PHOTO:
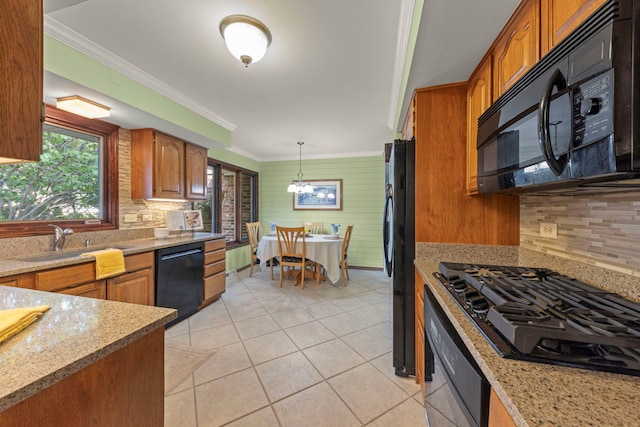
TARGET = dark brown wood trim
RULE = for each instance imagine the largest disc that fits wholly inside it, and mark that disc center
(109, 132)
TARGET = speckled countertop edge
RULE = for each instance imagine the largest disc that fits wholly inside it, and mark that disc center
(73, 334)
(9, 267)
(536, 394)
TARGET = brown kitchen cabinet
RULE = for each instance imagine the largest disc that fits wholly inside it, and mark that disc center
(517, 47)
(165, 167)
(419, 332)
(25, 280)
(124, 388)
(560, 17)
(195, 172)
(89, 290)
(21, 68)
(479, 98)
(444, 212)
(498, 415)
(137, 284)
(214, 277)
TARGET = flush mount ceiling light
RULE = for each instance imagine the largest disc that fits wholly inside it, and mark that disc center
(83, 107)
(246, 38)
(300, 186)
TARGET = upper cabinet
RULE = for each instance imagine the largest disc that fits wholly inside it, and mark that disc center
(517, 48)
(478, 100)
(534, 28)
(195, 169)
(560, 17)
(165, 167)
(21, 68)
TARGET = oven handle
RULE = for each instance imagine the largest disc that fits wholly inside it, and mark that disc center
(555, 164)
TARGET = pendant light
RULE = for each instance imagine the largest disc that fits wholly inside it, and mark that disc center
(300, 186)
(246, 38)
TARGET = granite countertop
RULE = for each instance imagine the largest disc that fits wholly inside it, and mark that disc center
(73, 334)
(13, 266)
(537, 394)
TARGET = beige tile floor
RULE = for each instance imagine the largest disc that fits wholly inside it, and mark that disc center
(290, 357)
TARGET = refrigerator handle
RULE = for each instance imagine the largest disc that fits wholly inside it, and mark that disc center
(386, 231)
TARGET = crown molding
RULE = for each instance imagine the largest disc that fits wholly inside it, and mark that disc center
(404, 32)
(83, 45)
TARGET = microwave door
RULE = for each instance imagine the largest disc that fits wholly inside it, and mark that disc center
(554, 123)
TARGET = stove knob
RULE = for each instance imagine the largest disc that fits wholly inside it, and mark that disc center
(590, 106)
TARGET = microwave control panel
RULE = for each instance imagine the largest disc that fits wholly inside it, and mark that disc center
(592, 112)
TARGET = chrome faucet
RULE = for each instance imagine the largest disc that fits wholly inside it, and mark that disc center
(59, 236)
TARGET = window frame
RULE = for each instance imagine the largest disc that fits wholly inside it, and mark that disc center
(239, 171)
(110, 135)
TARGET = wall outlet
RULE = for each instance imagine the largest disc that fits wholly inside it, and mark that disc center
(549, 230)
(147, 217)
(130, 217)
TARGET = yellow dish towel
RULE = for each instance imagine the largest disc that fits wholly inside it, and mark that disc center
(109, 262)
(15, 320)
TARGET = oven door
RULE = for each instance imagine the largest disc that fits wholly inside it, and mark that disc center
(460, 370)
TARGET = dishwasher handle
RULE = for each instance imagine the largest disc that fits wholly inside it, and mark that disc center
(180, 254)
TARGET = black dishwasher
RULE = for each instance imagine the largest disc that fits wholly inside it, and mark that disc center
(179, 271)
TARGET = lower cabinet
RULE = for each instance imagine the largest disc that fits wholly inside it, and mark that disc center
(135, 286)
(214, 277)
(419, 332)
(124, 388)
(90, 290)
(498, 415)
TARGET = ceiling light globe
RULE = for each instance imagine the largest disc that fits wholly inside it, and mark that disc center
(246, 38)
(292, 188)
(307, 189)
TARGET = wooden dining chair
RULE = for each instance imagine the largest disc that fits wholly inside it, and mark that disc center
(314, 227)
(254, 231)
(344, 267)
(290, 255)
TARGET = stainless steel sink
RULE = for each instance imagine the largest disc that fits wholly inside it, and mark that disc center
(53, 256)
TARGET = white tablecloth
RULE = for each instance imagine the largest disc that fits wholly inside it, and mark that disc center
(321, 249)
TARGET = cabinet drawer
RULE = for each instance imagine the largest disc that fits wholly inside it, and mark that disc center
(215, 256)
(89, 290)
(214, 245)
(65, 277)
(214, 285)
(216, 267)
(139, 261)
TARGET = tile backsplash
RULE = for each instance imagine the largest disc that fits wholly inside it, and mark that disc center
(597, 229)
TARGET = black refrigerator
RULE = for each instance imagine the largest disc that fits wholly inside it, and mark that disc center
(399, 249)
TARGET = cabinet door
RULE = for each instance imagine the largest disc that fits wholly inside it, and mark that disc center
(90, 290)
(136, 287)
(196, 172)
(560, 17)
(169, 167)
(21, 68)
(478, 100)
(518, 48)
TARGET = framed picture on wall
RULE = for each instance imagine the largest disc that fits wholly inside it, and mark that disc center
(326, 195)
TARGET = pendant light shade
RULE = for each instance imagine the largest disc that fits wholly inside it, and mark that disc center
(246, 38)
(300, 186)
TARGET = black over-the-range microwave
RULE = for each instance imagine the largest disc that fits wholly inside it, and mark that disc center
(572, 122)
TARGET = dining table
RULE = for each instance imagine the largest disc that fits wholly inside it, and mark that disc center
(323, 249)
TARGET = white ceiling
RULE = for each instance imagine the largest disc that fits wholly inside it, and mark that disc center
(330, 78)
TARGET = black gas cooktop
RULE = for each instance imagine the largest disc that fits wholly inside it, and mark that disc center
(539, 315)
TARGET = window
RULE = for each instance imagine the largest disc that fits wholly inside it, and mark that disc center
(73, 185)
(232, 201)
